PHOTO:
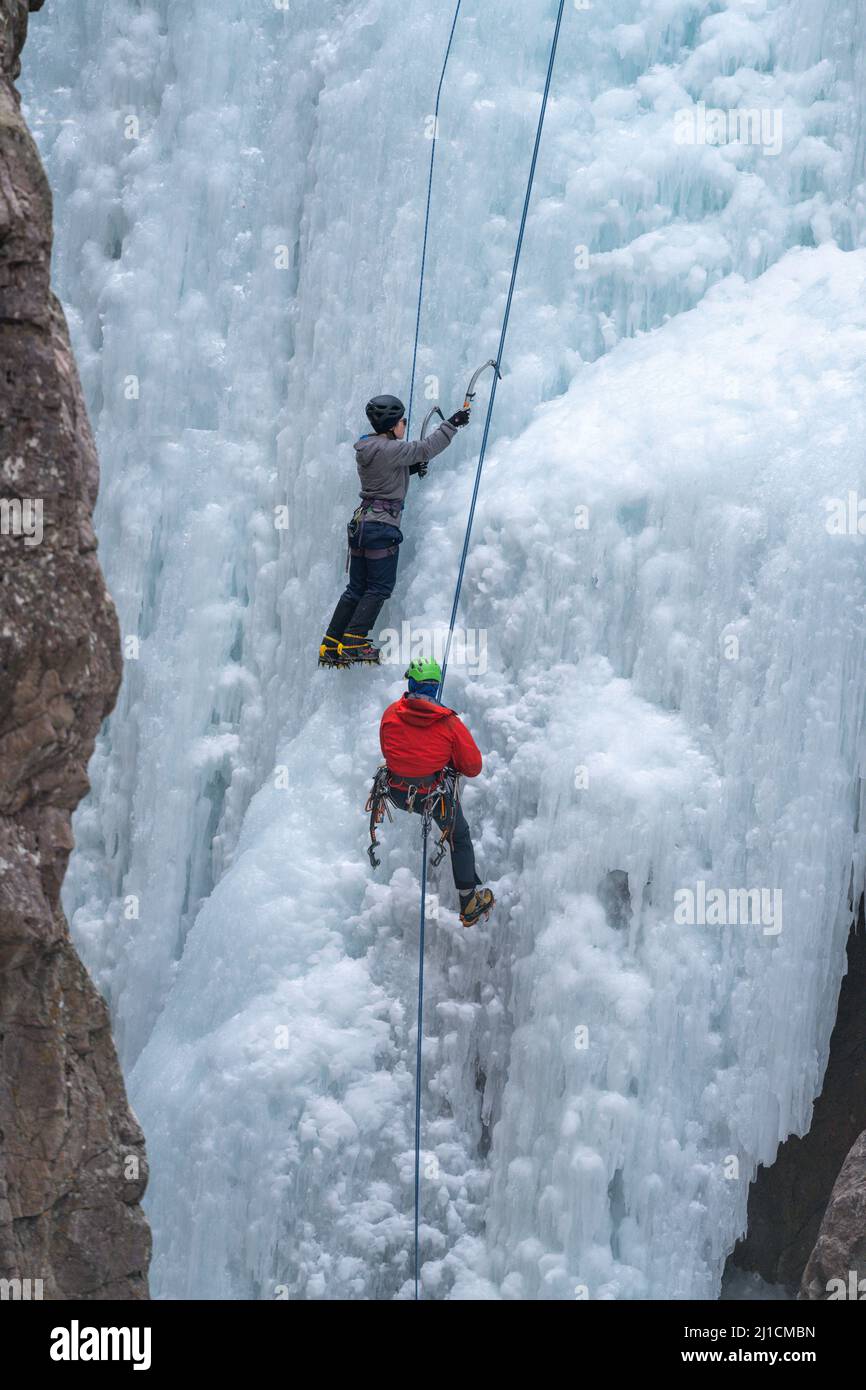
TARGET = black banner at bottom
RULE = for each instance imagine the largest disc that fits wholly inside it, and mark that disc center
(163, 1338)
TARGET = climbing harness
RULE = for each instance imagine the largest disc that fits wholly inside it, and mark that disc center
(497, 364)
(381, 509)
(442, 787)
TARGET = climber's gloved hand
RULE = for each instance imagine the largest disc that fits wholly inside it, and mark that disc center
(459, 419)
(419, 468)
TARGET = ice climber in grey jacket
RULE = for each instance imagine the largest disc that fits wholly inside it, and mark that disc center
(385, 461)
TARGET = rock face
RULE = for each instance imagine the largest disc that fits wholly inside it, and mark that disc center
(788, 1201)
(72, 1163)
(837, 1265)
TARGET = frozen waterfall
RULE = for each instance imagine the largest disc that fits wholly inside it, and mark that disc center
(664, 619)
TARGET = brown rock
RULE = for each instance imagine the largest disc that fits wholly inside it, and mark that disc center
(72, 1162)
(787, 1200)
(837, 1265)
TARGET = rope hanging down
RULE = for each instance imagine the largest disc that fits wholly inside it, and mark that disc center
(484, 440)
(424, 835)
(427, 215)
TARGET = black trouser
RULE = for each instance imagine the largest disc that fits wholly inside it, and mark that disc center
(462, 853)
(371, 582)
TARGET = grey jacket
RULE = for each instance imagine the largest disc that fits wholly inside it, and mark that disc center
(383, 463)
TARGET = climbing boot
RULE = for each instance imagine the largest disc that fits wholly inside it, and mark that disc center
(357, 651)
(476, 906)
(329, 653)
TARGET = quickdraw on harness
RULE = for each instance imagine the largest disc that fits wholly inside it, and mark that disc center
(444, 788)
(378, 804)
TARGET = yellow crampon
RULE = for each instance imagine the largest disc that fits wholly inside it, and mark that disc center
(479, 905)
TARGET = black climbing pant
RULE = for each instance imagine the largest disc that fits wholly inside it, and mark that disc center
(372, 577)
(462, 853)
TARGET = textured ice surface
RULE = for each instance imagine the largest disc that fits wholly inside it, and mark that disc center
(600, 1080)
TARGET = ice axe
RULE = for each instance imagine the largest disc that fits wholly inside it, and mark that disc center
(470, 389)
(428, 417)
(470, 395)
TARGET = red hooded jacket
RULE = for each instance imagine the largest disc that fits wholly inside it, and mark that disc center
(419, 737)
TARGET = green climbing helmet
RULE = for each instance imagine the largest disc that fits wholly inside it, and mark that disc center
(421, 670)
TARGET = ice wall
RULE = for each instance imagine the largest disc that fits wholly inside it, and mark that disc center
(240, 275)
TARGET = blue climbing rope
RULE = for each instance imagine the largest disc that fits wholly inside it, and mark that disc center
(418, 1049)
(454, 606)
(491, 403)
(427, 217)
(424, 837)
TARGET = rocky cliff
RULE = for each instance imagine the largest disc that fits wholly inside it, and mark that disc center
(792, 1202)
(72, 1163)
(837, 1265)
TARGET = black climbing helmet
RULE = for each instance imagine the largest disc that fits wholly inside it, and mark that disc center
(384, 412)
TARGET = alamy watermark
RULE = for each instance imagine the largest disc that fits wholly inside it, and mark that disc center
(22, 516)
(729, 907)
(21, 1290)
(846, 516)
(468, 646)
(77, 1343)
(854, 1289)
(712, 125)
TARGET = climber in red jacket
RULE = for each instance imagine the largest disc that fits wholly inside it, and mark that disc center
(426, 748)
